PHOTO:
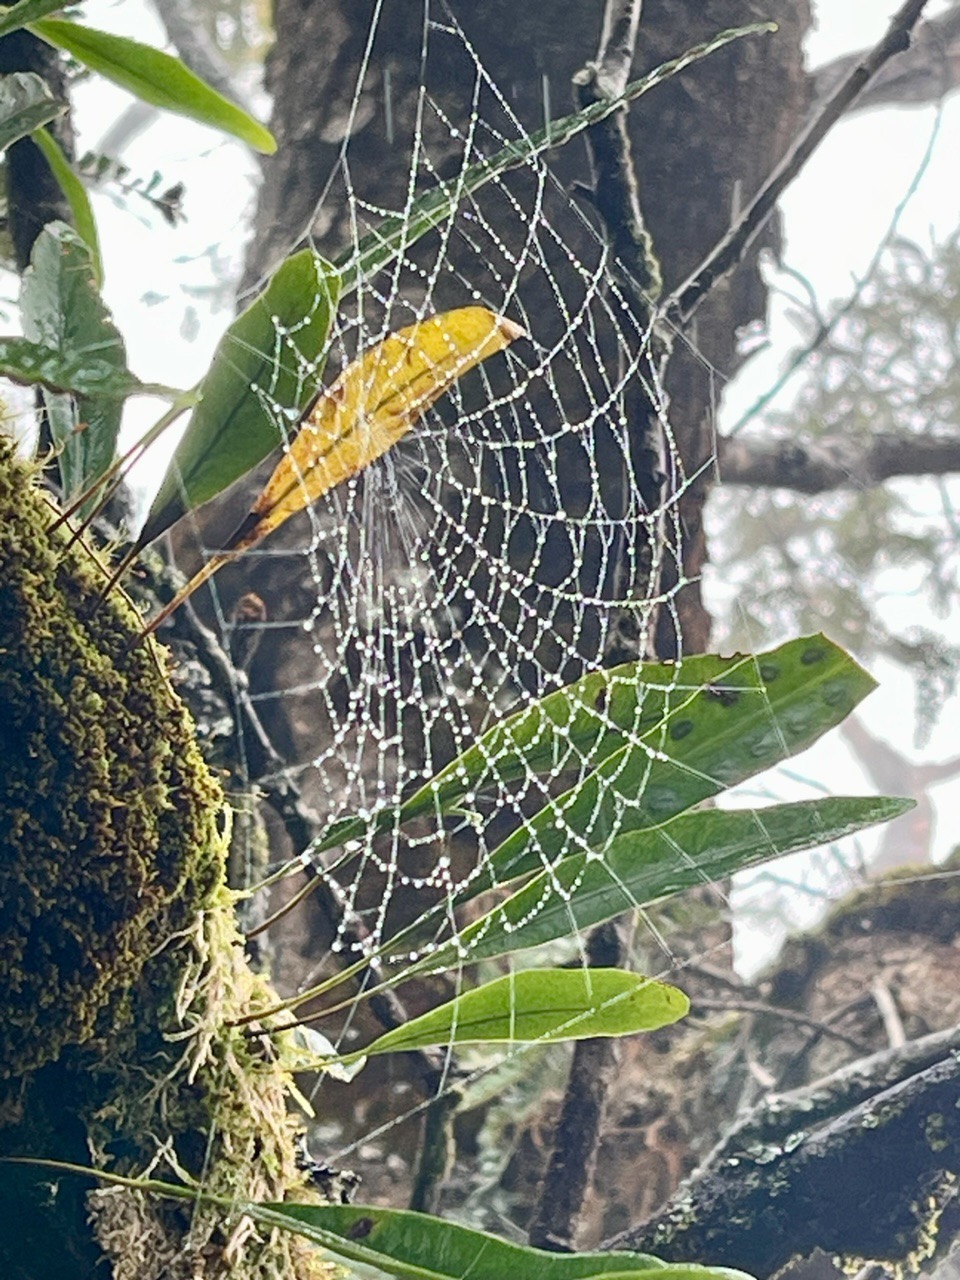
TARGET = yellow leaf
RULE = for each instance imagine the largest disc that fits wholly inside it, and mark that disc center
(373, 403)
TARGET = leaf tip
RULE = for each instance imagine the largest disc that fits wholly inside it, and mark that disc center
(262, 140)
(900, 805)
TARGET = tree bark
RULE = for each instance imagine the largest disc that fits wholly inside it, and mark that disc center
(120, 966)
(861, 1165)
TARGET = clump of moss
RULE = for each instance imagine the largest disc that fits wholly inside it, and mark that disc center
(122, 973)
(218, 1097)
(108, 812)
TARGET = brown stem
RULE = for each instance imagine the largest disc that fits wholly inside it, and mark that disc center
(572, 1160)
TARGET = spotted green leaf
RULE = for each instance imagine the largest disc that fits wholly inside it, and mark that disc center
(648, 741)
(754, 713)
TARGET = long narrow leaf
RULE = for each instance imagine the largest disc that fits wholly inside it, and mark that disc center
(576, 727)
(644, 866)
(397, 233)
(420, 1245)
(26, 103)
(541, 1005)
(14, 17)
(653, 738)
(758, 713)
(154, 77)
(264, 373)
(413, 1246)
(76, 194)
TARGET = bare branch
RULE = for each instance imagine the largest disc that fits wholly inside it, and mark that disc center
(859, 1164)
(925, 73)
(834, 462)
(729, 252)
(706, 1004)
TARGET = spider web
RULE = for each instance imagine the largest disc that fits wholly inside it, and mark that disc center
(498, 552)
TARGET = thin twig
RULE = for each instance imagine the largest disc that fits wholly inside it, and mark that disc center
(889, 1013)
(827, 325)
(774, 1011)
(729, 252)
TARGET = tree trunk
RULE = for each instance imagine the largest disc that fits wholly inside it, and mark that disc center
(120, 965)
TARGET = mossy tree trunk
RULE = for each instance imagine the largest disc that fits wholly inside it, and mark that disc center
(120, 965)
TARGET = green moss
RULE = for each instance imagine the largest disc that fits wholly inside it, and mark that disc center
(121, 967)
(109, 814)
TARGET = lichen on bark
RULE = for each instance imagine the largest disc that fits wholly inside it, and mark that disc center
(121, 968)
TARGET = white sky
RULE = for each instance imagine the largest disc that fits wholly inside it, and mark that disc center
(835, 216)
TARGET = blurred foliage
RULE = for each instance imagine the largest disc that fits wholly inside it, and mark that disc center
(242, 30)
(876, 567)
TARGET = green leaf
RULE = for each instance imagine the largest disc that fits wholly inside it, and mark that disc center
(678, 1271)
(403, 1243)
(26, 103)
(397, 233)
(758, 711)
(31, 363)
(653, 738)
(266, 367)
(76, 194)
(154, 77)
(62, 310)
(18, 15)
(576, 727)
(644, 866)
(423, 1247)
(541, 1005)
